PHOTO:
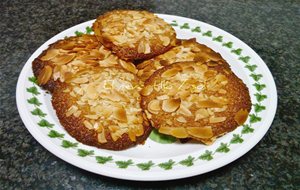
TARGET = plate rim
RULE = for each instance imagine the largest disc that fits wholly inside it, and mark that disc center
(116, 174)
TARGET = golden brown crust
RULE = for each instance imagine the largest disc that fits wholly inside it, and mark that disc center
(134, 35)
(65, 97)
(195, 100)
(66, 57)
(185, 50)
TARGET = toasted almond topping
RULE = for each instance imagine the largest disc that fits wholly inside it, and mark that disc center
(91, 116)
(222, 91)
(216, 119)
(80, 80)
(208, 104)
(241, 116)
(147, 90)
(219, 100)
(71, 110)
(113, 128)
(184, 111)
(165, 130)
(139, 130)
(44, 75)
(131, 135)
(88, 125)
(181, 119)
(200, 132)
(170, 72)
(101, 138)
(201, 114)
(162, 97)
(166, 40)
(149, 116)
(154, 106)
(179, 132)
(51, 53)
(128, 66)
(77, 113)
(210, 73)
(220, 109)
(120, 114)
(171, 105)
(91, 92)
(63, 59)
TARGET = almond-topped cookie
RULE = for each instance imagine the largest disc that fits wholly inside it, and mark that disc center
(66, 57)
(134, 35)
(101, 107)
(185, 50)
(195, 100)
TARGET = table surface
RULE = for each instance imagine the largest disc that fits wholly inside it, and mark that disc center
(271, 28)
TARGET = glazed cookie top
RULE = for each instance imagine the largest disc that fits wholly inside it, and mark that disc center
(63, 59)
(134, 35)
(195, 99)
(186, 50)
(108, 101)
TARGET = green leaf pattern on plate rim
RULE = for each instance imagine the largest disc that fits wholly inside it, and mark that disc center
(189, 161)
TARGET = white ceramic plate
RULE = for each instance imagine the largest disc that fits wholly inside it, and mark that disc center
(157, 159)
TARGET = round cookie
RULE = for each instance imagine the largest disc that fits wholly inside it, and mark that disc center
(101, 107)
(66, 57)
(134, 35)
(185, 50)
(195, 100)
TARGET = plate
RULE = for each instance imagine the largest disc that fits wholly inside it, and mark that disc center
(159, 158)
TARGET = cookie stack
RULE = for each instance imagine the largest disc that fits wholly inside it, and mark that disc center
(111, 88)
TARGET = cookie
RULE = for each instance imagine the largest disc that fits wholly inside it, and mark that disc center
(185, 50)
(101, 107)
(195, 100)
(134, 35)
(64, 58)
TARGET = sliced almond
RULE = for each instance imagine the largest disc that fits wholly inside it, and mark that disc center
(91, 116)
(51, 53)
(80, 80)
(128, 66)
(71, 110)
(184, 111)
(63, 59)
(113, 128)
(216, 119)
(101, 138)
(91, 92)
(163, 97)
(181, 119)
(131, 135)
(222, 91)
(170, 72)
(200, 132)
(166, 40)
(241, 116)
(171, 105)
(165, 130)
(88, 125)
(179, 132)
(210, 73)
(120, 114)
(139, 130)
(44, 75)
(201, 114)
(147, 90)
(154, 106)
(219, 100)
(208, 104)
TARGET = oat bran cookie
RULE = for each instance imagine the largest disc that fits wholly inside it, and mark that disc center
(134, 35)
(195, 100)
